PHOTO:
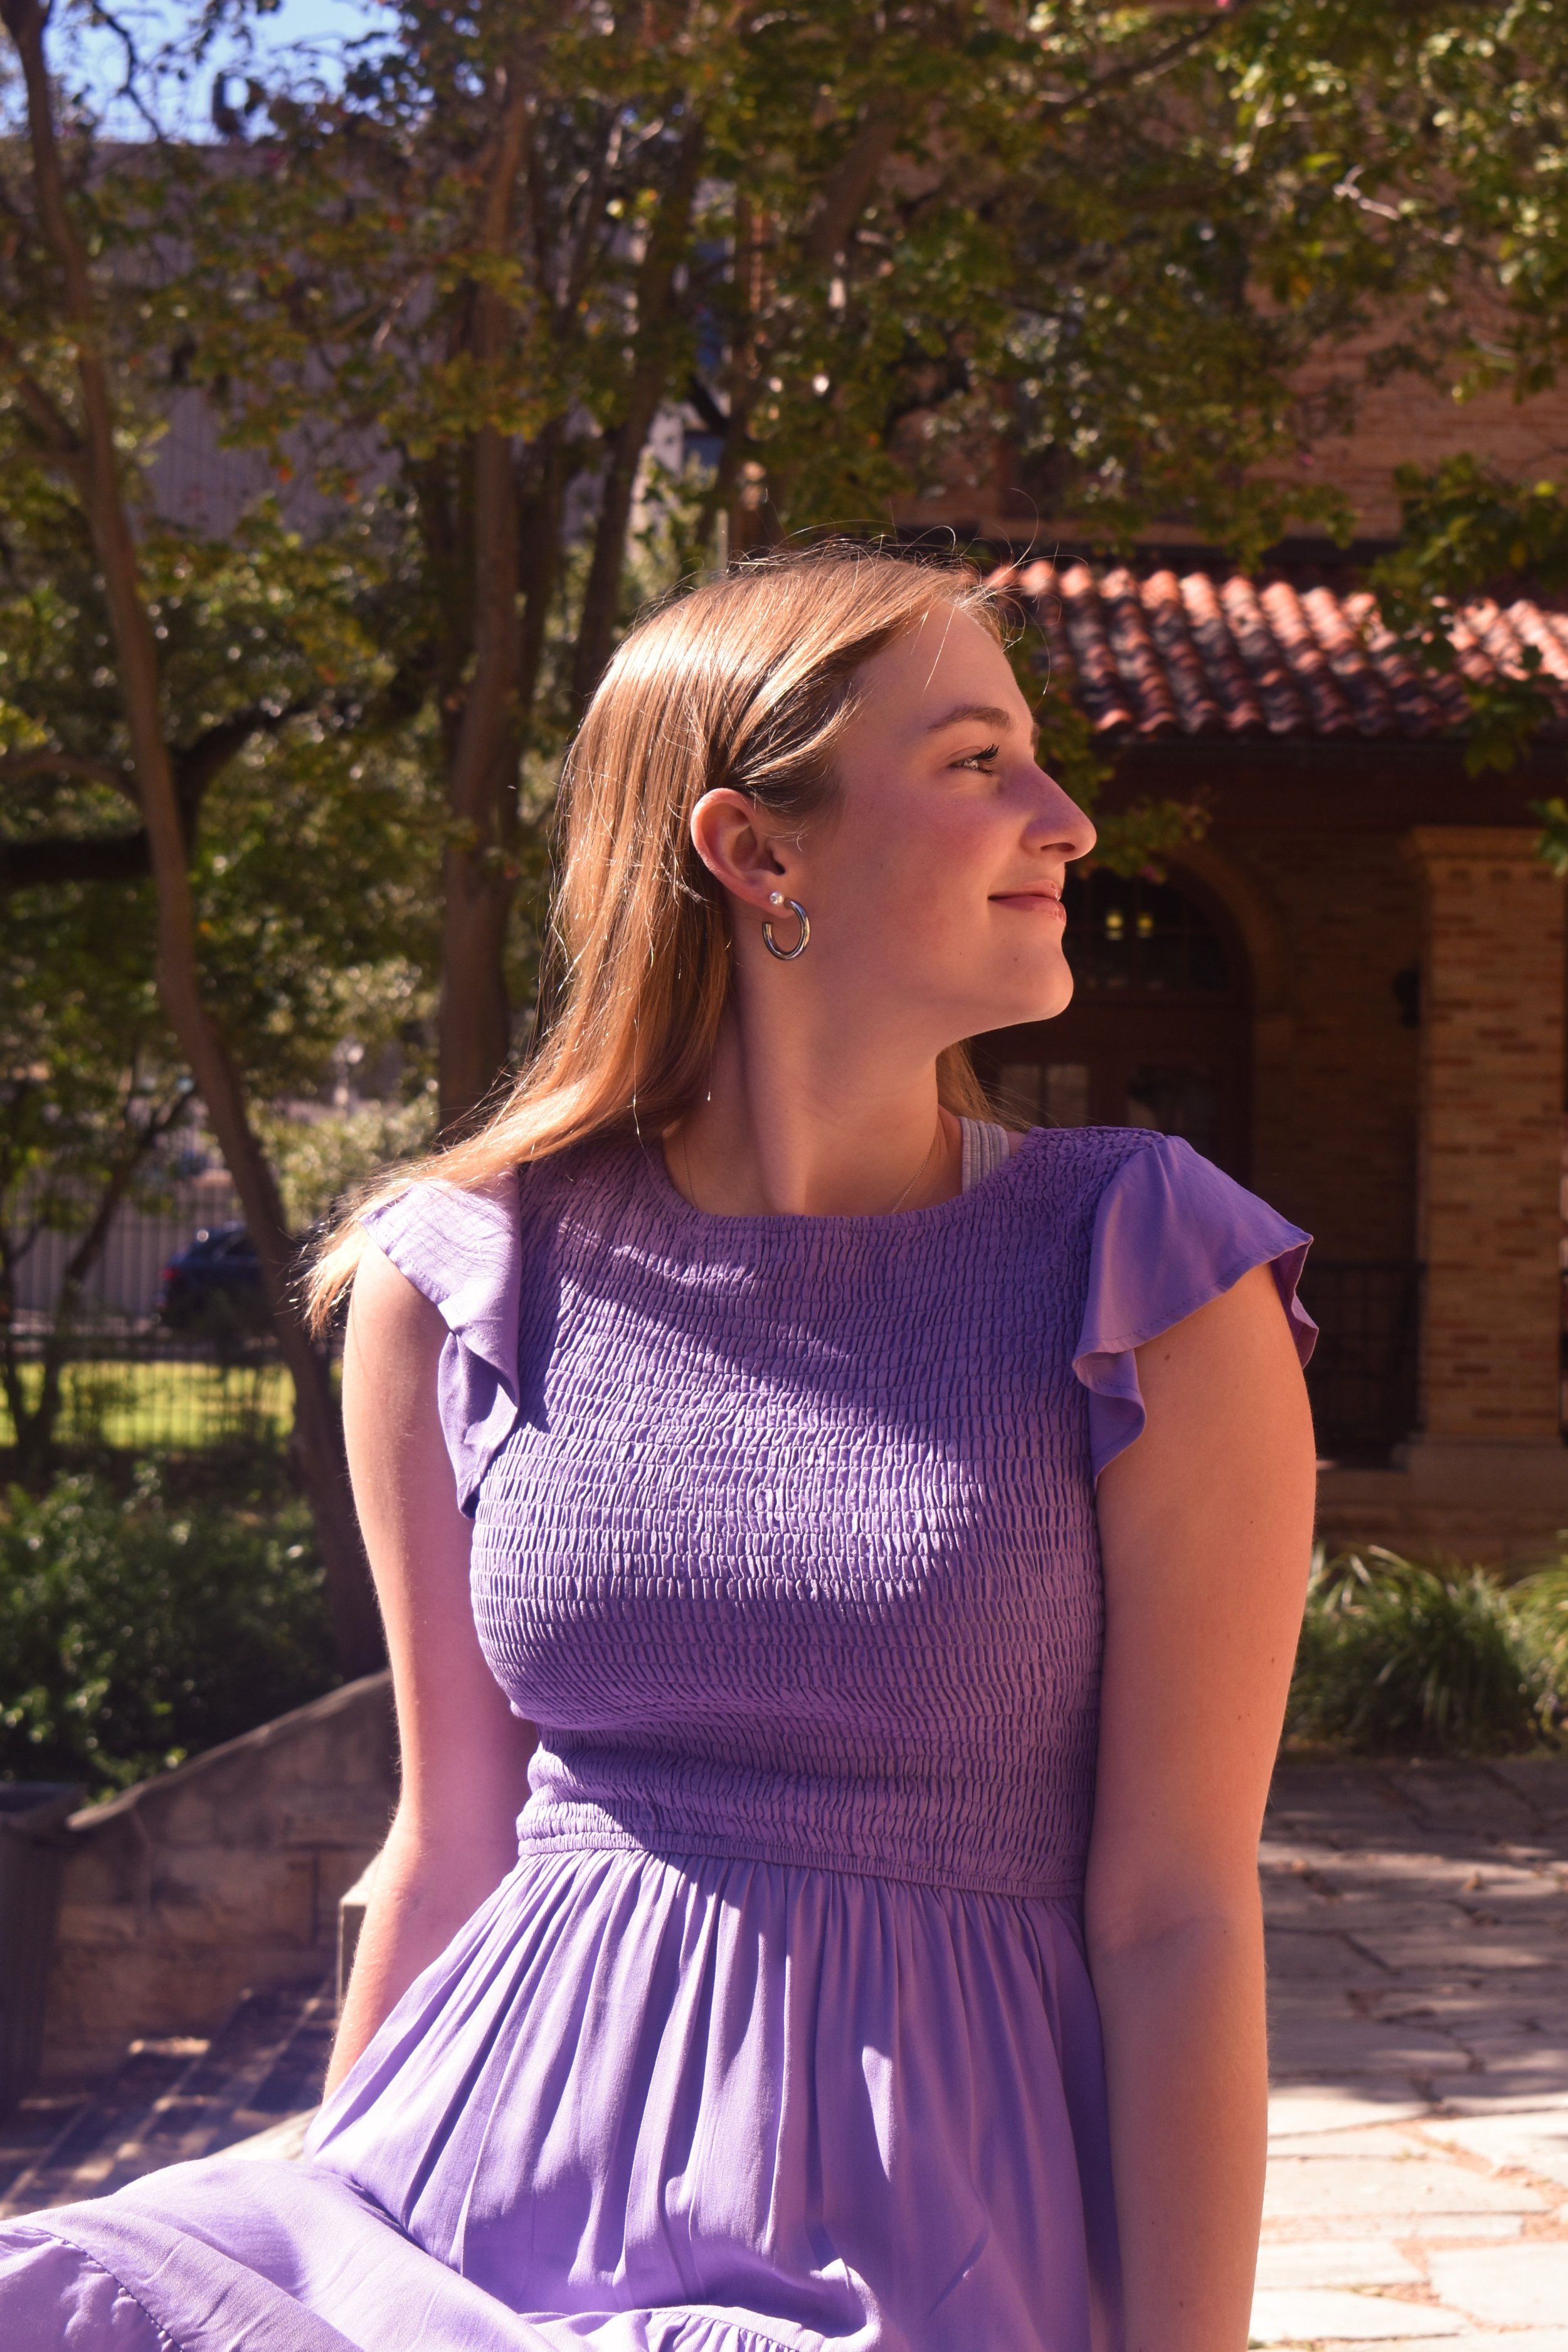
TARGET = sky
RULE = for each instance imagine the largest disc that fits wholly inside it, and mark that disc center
(93, 58)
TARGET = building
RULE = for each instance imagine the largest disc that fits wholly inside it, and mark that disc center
(1350, 993)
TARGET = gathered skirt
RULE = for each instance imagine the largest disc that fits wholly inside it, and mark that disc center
(648, 2104)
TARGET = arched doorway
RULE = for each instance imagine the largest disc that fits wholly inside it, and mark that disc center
(1159, 1030)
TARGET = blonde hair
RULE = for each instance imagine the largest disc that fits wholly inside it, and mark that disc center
(747, 681)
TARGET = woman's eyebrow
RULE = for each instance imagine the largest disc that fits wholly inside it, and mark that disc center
(978, 714)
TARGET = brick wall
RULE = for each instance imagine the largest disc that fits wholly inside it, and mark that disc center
(1492, 1042)
(1411, 422)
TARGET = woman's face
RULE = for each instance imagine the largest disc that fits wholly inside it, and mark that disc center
(935, 888)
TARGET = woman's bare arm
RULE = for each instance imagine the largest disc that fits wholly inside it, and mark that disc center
(464, 1754)
(1205, 1528)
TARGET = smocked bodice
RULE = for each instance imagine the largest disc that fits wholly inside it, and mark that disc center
(784, 1532)
(781, 2036)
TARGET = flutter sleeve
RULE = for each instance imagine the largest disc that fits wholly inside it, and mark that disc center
(463, 1251)
(1171, 1232)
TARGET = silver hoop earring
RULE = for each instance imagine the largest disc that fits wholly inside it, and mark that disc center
(787, 955)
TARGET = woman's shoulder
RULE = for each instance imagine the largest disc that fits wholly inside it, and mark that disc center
(1073, 1167)
(1170, 1231)
(447, 1236)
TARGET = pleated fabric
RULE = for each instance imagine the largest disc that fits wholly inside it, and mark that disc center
(781, 2033)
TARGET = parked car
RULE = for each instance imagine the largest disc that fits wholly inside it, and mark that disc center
(214, 1285)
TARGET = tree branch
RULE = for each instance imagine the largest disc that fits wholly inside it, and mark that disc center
(850, 183)
(1127, 77)
(17, 765)
(196, 765)
(60, 442)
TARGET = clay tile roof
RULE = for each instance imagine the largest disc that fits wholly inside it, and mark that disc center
(1240, 710)
(1163, 654)
(1184, 672)
(1100, 686)
(1142, 670)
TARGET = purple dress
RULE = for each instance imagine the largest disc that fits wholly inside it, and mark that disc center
(780, 2036)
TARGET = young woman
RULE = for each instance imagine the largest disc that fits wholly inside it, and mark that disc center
(841, 1565)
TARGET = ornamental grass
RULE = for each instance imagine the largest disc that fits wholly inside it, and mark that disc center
(1398, 1656)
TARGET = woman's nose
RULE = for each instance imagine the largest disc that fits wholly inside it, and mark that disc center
(1061, 824)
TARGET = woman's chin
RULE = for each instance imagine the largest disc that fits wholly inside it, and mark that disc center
(1018, 1006)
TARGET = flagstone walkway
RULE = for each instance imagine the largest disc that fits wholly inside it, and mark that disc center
(1418, 2148)
(1418, 2000)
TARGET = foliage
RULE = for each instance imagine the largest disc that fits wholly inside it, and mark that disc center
(865, 253)
(1395, 1656)
(1541, 1603)
(313, 859)
(1466, 530)
(319, 1159)
(133, 1632)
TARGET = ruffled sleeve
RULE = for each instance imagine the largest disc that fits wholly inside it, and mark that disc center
(1171, 1232)
(463, 1251)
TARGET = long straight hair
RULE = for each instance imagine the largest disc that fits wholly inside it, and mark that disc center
(747, 681)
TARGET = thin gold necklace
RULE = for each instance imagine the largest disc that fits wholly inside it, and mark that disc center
(898, 1204)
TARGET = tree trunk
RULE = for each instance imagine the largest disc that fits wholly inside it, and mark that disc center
(648, 387)
(475, 1027)
(479, 874)
(89, 459)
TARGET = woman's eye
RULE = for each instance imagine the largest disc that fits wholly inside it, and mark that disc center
(979, 761)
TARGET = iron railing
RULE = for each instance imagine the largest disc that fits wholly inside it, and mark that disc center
(127, 1380)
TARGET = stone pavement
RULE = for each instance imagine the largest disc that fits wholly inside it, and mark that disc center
(1418, 2002)
(1418, 1998)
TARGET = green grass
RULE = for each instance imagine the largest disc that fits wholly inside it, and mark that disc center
(149, 1408)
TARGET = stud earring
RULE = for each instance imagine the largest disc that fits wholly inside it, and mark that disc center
(787, 955)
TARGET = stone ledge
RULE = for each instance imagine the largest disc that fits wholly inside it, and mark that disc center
(219, 1877)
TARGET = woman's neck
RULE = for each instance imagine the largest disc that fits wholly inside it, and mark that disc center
(777, 1134)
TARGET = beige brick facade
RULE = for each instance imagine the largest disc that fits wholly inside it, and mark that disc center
(1488, 1220)
(1439, 1143)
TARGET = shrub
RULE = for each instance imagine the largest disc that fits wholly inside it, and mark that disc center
(133, 1632)
(1541, 1603)
(1423, 1661)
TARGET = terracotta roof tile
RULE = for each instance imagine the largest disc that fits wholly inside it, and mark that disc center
(1326, 708)
(1548, 633)
(1420, 709)
(1162, 599)
(1100, 683)
(1341, 647)
(1241, 711)
(1266, 663)
(1195, 656)
(1141, 669)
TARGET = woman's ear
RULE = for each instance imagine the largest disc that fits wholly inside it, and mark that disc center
(727, 833)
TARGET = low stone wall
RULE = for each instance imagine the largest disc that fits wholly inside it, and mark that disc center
(219, 1877)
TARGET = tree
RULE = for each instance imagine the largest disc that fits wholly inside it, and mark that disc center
(73, 410)
(87, 1091)
(493, 264)
(1442, 130)
(310, 855)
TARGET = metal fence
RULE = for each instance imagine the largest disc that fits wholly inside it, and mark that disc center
(1363, 1377)
(127, 1380)
(131, 1384)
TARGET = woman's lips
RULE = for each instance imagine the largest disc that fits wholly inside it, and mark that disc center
(1031, 902)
